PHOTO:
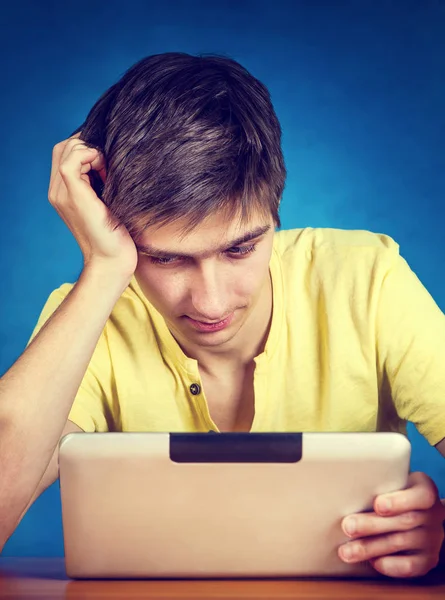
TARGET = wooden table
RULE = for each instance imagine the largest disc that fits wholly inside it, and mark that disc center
(45, 578)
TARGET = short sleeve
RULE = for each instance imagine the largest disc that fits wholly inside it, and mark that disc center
(410, 337)
(93, 408)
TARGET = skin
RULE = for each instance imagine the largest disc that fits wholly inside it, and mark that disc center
(206, 276)
(203, 275)
(402, 540)
(411, 524)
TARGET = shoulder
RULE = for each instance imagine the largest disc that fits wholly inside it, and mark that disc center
(130, 298)
(130, 307)
(339, 248)
(332, 240)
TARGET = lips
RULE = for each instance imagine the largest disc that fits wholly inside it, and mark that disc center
(209, 327)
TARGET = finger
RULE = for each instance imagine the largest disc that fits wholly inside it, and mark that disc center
(370, 524)
(383, 545)
(414, 565)
(99, 165)
(58, 192)
(85, 169)
(421, 494)
(71, 169)
(58, 153)
(56, 188)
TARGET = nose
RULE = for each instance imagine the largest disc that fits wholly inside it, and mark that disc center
(208, 292)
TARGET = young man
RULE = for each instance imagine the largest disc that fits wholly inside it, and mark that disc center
(191, 313)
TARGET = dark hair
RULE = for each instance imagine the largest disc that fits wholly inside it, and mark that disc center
(184, 137)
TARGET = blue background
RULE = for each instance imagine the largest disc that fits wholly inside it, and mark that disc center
(359, 89)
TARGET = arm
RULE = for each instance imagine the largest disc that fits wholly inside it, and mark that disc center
(404, 539)
(49, 477)
(441, 447)
(37, 392)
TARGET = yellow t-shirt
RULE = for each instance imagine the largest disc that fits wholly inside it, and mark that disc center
(356, 344)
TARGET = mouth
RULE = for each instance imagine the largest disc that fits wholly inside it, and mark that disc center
(209, 327)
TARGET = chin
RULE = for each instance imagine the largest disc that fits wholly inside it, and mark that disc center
(212, 340)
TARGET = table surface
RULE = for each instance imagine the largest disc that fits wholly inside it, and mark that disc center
(46, 578)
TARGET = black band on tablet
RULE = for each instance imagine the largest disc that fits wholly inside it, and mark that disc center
(236, 447)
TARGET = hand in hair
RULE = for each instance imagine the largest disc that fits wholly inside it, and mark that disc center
(102, 239)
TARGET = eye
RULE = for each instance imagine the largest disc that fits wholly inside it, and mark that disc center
(240, 251)
(159, 260)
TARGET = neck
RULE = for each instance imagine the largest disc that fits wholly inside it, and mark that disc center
(248, 342)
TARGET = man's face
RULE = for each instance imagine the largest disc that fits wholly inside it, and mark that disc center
(208, 282)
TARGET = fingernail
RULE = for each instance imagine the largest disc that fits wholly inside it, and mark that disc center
(347, 552)
(350, 526)
(385, 505)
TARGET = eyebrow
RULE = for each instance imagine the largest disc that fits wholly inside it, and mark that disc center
(246, 237)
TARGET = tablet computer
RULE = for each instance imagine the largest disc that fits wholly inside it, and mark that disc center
(194, 505)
